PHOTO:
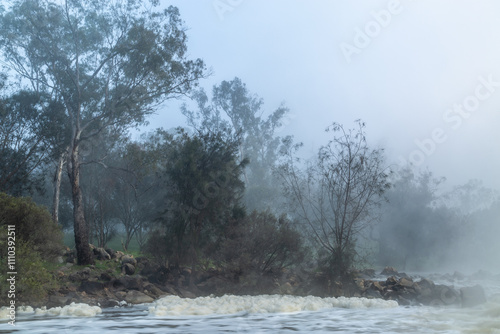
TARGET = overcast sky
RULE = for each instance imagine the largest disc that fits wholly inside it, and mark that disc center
(423, 75)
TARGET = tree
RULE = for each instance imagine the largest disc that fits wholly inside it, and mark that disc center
(337, 195)
(202, 177)
(24, 144)
(109, 63)
(233, 108)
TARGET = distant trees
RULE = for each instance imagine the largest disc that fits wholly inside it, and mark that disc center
(413, 228)
(425, 227)
(233, 109)
(337, 195)
(107, 64)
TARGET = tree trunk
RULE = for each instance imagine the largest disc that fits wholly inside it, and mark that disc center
(84, 254)
(57, 188)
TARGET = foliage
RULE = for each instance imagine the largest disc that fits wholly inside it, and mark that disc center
(337, 196)
(412, 228)
(38, 239)
(34, 281)
(202, 178)
(26, 128)
(261, 243)
(34, 225)
(109, 64)
(232, 108)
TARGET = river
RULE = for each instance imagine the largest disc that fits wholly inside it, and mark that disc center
(267, 314)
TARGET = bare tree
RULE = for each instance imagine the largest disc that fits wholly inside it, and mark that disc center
(337, 195)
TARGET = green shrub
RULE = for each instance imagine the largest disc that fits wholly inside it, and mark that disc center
(33, 280)
(261, 243)
(34, 226)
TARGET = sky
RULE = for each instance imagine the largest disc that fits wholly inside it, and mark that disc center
(424, 75)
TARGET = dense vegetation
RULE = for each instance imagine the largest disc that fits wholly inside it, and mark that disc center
(228, 192)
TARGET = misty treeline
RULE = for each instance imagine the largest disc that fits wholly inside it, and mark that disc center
(227, 192)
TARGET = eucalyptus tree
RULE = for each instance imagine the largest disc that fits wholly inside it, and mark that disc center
(233, 109)
(110, 63)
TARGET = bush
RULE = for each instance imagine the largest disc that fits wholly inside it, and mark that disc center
(33, 281)
(37, 240)
(34, 226)
(261, 243)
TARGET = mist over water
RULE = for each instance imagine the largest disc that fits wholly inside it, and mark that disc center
(421, 79)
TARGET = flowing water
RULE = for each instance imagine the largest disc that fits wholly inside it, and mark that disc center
(265, 314)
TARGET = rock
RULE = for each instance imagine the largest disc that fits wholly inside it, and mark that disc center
(372, 293)
(119, 255)
(111, 253)
(55, 301)
(110, 303)
(80, 275)
(360, 283)
(91, 287)
(406, 282)
(128, 283)
(425, 283)
(101, 254)
(160, 276)
(186, 293)
(106, 277)
(153, 290)
(472, 296)
(129, 259)
(121, 295)
(128, 269)
(389, 271)
(447, 295)
(378, 286)
(391, 281)
(137, 297)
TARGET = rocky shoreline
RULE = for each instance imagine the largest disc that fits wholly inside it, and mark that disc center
(118, 279)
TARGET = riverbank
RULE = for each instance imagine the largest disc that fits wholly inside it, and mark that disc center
(119, 279)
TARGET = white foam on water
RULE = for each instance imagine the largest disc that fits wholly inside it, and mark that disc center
(72, 310)
(230, 304)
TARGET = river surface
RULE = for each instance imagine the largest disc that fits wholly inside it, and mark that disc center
(267, 314)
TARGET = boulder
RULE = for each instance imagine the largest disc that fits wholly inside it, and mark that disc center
(153, 290)
(101, 254)
(91, 288)
(111, 253)
(447, 295)
(106, 277)
(472, 296)
(137, 297)
(119, 255)
(372, 293)
(128, 283)
(55, 301)
(128, 269)
(389, 271)
(129, 259)
(406, 282)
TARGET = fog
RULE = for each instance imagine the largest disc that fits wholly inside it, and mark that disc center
(423, 75)
(403, 81)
